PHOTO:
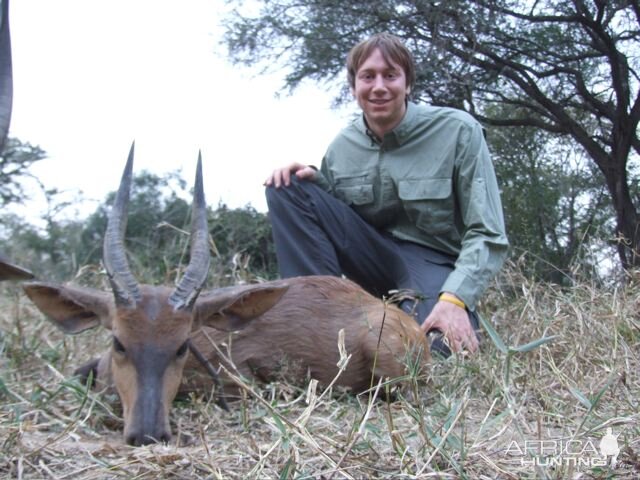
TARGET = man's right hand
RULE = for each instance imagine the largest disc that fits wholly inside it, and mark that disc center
(282, 176)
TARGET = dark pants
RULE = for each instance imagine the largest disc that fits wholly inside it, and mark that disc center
(317, 234)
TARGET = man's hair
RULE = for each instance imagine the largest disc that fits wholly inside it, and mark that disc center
(392, 50)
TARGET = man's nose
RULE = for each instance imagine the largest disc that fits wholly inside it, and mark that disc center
(378, 83)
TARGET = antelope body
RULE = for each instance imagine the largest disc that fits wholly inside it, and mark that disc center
(256, 329)
(300, 333)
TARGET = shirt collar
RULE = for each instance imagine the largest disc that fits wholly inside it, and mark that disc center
(395, 137)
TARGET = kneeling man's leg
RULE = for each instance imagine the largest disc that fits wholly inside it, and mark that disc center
(317, 234)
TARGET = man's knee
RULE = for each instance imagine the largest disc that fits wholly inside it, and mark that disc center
(298, 192)
(272, 192)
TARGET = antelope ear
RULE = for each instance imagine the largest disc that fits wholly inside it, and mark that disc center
(72, 309)
(233, 308)
(10, 271)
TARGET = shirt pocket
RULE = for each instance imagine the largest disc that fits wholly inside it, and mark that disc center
(355, 190)
(428, 203)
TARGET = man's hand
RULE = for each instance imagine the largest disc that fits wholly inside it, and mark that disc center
(282, 176)
(453, 322)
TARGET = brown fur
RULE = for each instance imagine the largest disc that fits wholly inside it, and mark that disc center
(302, 330)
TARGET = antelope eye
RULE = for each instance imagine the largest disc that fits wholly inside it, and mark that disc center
(117, 346)
(182, 350)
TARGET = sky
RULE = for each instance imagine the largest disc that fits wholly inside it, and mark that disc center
(91, 76)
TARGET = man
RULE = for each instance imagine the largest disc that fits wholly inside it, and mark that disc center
(406, 198)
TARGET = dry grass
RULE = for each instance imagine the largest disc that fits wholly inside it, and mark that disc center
(471, 417)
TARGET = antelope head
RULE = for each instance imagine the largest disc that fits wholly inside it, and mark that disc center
(150, 325)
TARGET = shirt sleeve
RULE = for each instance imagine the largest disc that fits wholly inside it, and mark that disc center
(322, 178)
(484, 243)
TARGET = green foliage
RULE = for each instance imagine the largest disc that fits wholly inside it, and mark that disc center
(157, 217)
(49, 250)
(157, 238)
(244, 244)
(15, 160)
(556, 207)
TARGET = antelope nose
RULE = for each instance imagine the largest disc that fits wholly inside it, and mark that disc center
(138, 439)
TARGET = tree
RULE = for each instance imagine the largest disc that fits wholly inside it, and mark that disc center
(157, 227)
(568, 68)
(15, 161)
(156, 241)
(243, 242)
(556, 208)
(49, 249)
(157, 234)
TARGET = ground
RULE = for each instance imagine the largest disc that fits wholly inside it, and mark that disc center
(557, 367)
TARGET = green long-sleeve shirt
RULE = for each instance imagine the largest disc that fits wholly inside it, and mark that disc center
(429, 181)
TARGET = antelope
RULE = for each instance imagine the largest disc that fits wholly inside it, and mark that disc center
(164, 338)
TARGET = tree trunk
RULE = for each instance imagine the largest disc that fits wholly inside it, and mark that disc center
(627, 219)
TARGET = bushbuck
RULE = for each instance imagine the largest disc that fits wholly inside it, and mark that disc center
(254, 330)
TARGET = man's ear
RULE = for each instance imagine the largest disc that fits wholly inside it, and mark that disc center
(72, 309)
(233, 308)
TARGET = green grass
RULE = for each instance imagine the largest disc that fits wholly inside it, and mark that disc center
(556, 365)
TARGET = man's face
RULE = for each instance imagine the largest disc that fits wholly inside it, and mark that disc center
(380, 90)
